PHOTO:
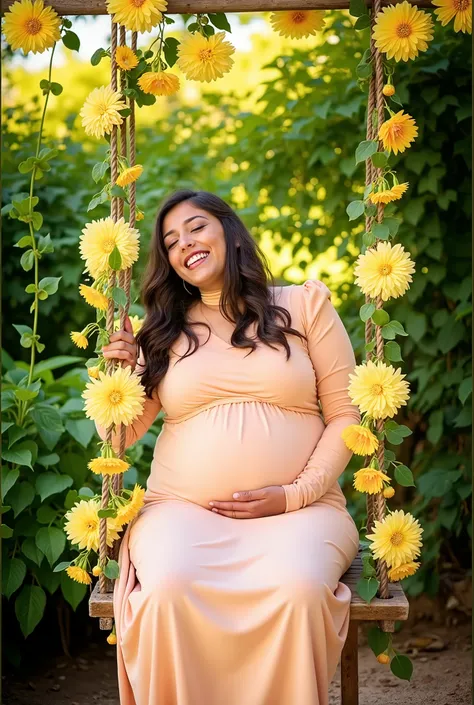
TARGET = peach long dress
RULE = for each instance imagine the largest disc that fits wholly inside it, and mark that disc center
(212, 610)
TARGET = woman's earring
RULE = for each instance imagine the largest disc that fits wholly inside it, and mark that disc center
(184, 284)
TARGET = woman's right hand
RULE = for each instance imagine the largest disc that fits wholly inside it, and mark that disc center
(123, 346)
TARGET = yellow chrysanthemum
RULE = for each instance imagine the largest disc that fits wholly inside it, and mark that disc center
(205, 58)
(126, 58)
(388, 492)
(389, 195)
(401, 31)
(378, 389)
(397, 539)
(115, 398)
(137, 15)
(369, 480)
(79, 574)
(130, 510)
(82, 525)
(359, 439)
(159, 83)
(79, 339)
(461, 10)
(128, 176)
(100, 111)
(31, 26)
(403, 571)
(384, 270)
(108, 466)
(100, 237)
(296, 24)
(136, 322)
(93, 297)
(397, 132)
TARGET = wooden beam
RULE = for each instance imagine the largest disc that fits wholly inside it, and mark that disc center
(177, 7)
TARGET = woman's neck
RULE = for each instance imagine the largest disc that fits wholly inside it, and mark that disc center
(211, 298)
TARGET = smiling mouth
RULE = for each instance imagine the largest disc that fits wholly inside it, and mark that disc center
(196, 260)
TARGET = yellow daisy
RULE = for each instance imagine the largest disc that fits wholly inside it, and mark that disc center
(82, 525)
(137, 15)
(403, 571)
(93, 372)
(136, 322)
(397, 539)
(129, 511)
(461, 10)
(384, 271)
(401, 31)
(108, 466)
(79, 574)
(79, 339)
(128, 176)
(205, 58)
(388, 492)
(93, 297)
(369, 480)
(100, 111)
(126, 58)
(159, 83)
(360, 439)
(388, 195)
(115, 398)
(31, 26)
(296, 24)
(397, 132)
(100, 237)
(378, 389)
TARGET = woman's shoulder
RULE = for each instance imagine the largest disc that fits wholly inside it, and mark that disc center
(300, 294)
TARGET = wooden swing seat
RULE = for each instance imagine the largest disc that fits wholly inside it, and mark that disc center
(384, 611)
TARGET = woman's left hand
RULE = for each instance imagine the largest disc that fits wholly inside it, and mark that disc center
(252, 504)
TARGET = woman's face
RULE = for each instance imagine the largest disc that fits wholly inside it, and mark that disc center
(187, 231)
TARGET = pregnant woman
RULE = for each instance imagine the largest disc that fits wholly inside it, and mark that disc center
(229, 590)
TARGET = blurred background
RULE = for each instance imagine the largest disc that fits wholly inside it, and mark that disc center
(276, 139)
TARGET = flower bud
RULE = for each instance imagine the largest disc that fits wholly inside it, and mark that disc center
(388, 492)
(388, 89)
(383, 658)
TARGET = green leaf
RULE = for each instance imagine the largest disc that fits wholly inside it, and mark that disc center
(115, 259)
(119, 296)
(368, 239)
(220, 21)
(402, 667)
(29, 607)
(46, 514)
(97, 56)
(393, 329)
(357, 8)
(27, 260)
(20, 454)
(363, 22)
(367, 588)
(36, 220)
(61, 566)
(380, 317)
(13, 574)
(81, 429)
(171, 50)
(21, 496)
(465, 389)
(49, 483)
(378, 640)
(111, 570)
(366, 312)
(48, 460)
(23, 242)
(99, 171)
(379, 160)
(31, 551)
(48, 422)
(105, 513)
(71, 41)
(437, 482)
(50, 284)
(5, 531)
(54, 362)
(9, 477)
(355, 209)
(381, 231)
(392, 352)
(73, 592)
(365, 150)
(404, 476)
(51, 541)
(392, 224)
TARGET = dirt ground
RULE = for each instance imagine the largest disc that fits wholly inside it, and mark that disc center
(441, 655)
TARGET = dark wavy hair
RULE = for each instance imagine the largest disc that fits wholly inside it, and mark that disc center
(246, 275)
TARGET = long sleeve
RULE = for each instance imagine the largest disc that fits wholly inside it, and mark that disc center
(142, 423)
(332, 356)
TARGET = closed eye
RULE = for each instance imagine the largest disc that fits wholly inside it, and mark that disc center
(200, 227)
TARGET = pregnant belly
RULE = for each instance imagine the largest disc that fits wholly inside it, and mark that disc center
(231, 447)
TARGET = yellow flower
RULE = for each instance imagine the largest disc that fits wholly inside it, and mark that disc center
(100, 237)
(108, 466)
(359, 439)
(378, 389)
(397, 539)
(205, 58)
(128, 176)
(93, 372)
(403, 571)
(461, 10)
(31, 26)
(100, 111)
(159, 83)
(137, 15)
(397, 132)
(401, 31)
(297, 23)
(79, 339)
(384, 270)
(139, 215)
(388, 492)
(112, 639)
(115, 398)
(79, 574)
(389, 195)
(93, 297)
(369, 480)
(136, 322)
(129, 511)
(126, 58)
(82, 525)
(383, 658)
